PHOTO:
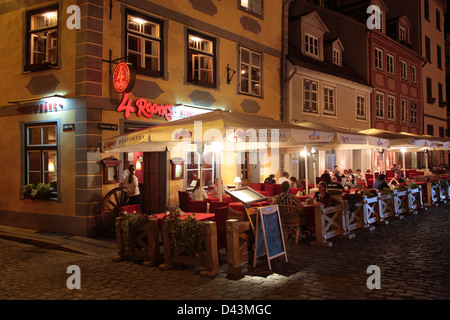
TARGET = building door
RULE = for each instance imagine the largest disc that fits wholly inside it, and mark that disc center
(155, 182)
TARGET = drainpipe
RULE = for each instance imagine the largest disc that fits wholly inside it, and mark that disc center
(284, 46)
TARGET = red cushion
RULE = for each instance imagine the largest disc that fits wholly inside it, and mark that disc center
(269, 188)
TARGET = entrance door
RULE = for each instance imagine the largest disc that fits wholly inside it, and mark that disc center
(155, 182)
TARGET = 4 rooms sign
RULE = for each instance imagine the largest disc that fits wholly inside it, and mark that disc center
(123, 81)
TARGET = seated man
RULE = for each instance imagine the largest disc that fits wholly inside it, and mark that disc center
(270, 179)
(381, 184)
(397, 179)
(334, 184)
(287, 198)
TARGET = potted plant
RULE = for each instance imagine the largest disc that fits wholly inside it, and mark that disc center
(42, 192)
(370, 193)
(130, 226)
(353, 200)
(27, 190)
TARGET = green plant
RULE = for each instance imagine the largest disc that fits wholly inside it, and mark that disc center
(28, 188)
(386, 191)
(370, 193)
(353, 200)
(186, 236)
(131, 225)
(413, 185)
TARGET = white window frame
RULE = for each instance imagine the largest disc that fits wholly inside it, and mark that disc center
(143, 38)
(403, 33)
(329, 100)
(312, 45)
(253, 6)
(390, 64)
(413, 74)
(404, 70)
(252, 68)
(310, 99)
(379, 59)
(337, 60)
(404, 110)
(391, 108)
(201, 54)
(360, 106)
(413, 112)
(379, 103)
(44, 33)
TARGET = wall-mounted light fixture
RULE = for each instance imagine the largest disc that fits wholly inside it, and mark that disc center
(230, 74)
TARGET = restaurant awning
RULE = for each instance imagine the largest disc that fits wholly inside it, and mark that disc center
(218, 126)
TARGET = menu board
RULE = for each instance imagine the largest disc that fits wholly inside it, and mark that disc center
(246, 195)
(269, 239)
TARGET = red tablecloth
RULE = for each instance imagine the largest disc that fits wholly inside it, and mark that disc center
(216, 198)
(198, 216)
(302, 198)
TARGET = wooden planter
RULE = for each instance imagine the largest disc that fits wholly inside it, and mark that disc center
(386, 207)
(238, 246)
(401, 202)
(208, 258)
(415, 201)
(329, 224)
(146, 243)
(371, 211)
(433, 194)
(352, 220)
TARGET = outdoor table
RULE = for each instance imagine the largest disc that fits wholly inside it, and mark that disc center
(302, 198)
(198, 216)
(213, 198)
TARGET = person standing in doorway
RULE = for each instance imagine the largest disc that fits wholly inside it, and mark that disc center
(131, 185)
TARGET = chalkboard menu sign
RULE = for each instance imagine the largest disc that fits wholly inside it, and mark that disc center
(269, 239)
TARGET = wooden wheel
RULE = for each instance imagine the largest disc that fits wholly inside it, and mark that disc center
(110, 208)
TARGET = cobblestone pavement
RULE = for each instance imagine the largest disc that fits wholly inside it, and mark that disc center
(413, 255)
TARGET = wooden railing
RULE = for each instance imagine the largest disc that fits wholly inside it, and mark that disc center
(239, 246)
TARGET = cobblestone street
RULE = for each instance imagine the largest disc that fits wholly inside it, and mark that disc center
(413, 255)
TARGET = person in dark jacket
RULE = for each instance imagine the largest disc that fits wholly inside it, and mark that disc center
(270, 179)
(381, 184)
(326, 177)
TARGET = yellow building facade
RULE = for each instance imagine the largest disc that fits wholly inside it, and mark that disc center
(57, 101)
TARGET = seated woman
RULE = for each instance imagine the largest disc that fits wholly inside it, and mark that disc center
(198, 193)
(216, 186)
(322, 194)
(351, 182)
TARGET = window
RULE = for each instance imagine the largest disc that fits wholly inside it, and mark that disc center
(413, 74)
(403, 34)
(379, 105)
(391, 108)
(404, 70)
(207, 169)
(378, 58)
(360, 107)
(429, 90)
(430, 130)
(413, 112)
(439, 56)
(404, 110)
(42, 39)
(253, 6)
(440, 93)
(41, 154)
(337, 57)
(390, 64)
(329, 98)
(201, 59)
(144, 44)
(250, 73)
(311, 45)
(428, 48)
(441, 132)
(427, 9)
(310, 96)
(438, 20)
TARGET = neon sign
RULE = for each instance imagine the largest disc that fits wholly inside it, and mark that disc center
(145, 109)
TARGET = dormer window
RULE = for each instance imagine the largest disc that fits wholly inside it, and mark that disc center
(311, 45)
(337, 57)
(403, 34)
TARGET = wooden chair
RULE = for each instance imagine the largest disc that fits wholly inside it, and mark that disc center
(220, 217)
(292, 221)
(199, 206)
(183, 198)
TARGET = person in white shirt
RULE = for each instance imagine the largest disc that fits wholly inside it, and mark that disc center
(198, 193)
(216, 186)
(131, 185)
(126, 171)
(284, 178)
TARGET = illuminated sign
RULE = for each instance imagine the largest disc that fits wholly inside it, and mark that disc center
(40, 108)
(123, 77)
(145, 109)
